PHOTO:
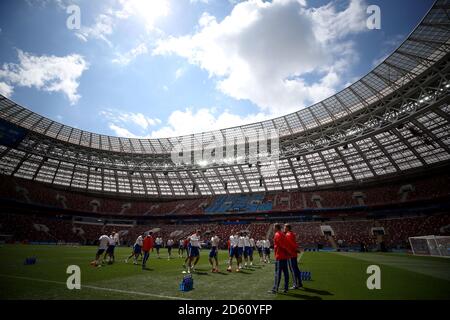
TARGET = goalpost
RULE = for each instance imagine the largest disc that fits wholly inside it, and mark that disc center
(431, 245)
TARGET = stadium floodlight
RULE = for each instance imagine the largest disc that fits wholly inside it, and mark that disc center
(203, 163)
(438, 246)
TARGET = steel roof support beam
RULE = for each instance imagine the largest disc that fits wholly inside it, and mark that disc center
(442, 114)
(327, 167)
(260, 177)
(293, 172)
(194, 181)
(366, 161)
(344, 161)
(409, 146)
(387, 155)
(309, 169)
(155, 179)
(430, 134)
(237, 180)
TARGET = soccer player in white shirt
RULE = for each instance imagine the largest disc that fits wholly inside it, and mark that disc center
(158, 245)
(169, 246)
(266, 250)
(214, 251)
(241, 245)
(187, 246)
(102, 246)
(137, 249)
(252, 248)
(260, 249)
(233, 251)
(246, 249)
(194, 250)
(110, 250)
(117, 238)
(181, 249)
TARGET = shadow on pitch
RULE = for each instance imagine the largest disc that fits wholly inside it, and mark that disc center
(315, 291)
(243, 272)
(253, 268)
(227, 273)
(301, 296)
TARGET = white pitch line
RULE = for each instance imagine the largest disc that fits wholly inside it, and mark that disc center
(97, 288)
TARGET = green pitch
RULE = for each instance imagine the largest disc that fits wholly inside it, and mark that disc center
(335, 276)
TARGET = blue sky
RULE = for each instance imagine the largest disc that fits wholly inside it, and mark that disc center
(159, 68)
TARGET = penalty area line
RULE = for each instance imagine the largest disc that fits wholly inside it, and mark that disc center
(97, 288)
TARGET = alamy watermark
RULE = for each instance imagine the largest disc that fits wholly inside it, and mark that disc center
(74, 280)
(374, 20)
(73, 21)
(259, 147)
(374, 280)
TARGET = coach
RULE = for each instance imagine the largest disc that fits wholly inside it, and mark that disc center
(146, 247)
(281, 259)
(292, 246)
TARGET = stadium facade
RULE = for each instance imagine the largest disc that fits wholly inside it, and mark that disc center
(393, 120)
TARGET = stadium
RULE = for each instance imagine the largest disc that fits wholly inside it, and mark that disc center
(361, 177)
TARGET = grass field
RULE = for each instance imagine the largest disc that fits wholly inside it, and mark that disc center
(335, 276)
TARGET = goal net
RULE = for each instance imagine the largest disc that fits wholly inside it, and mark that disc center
(431, 245)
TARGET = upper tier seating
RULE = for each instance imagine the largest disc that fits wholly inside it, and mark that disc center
(40, 194)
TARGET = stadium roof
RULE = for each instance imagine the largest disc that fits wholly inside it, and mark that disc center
(394, 119)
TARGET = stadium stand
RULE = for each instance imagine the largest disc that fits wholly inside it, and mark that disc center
(353, 233)
(347, 233)
(40, 194)
(239, 203)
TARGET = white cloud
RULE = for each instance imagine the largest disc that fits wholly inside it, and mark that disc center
(124, 133)
(149, 11)
(6, 90)
(199, 1)
(207, 119)
(138, 119)
(102, 28)
(48, 73)
(180, 122)
(118, 120)
(61, 4)
(332, 25)
(179, 73)
(280, 55)
(126, 58)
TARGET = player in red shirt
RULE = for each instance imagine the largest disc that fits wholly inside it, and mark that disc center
(281, 259)
(293, 250)
(147, 246)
